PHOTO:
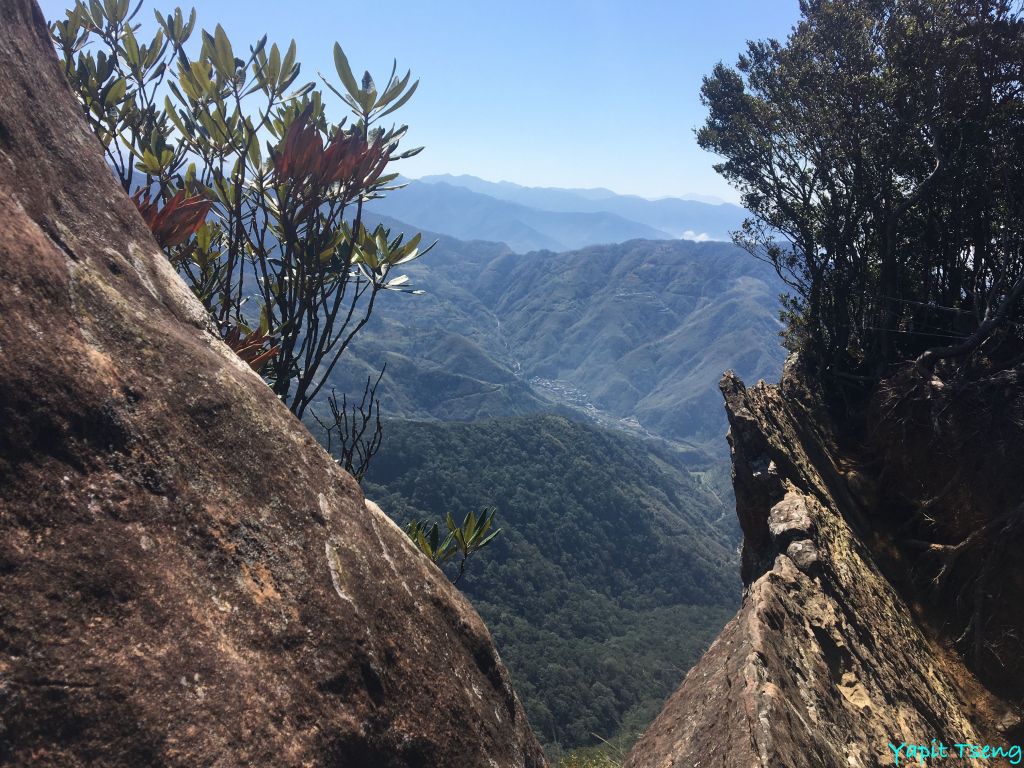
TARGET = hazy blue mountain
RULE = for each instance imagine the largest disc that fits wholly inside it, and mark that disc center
(642, 330)
(634, 335)
(507, 190)
(468, 215)
(444, 350)
(678, 217)
(615, 567)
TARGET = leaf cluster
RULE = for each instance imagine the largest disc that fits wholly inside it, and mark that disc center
(255, 195)
(461, 541)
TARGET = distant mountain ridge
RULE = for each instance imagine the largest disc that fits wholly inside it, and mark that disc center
(590, 193)
(468, 215)
(530, 219)
(635, 335)
(679, 218)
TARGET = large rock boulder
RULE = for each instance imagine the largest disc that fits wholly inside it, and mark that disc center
(825, 665)
(187, 578)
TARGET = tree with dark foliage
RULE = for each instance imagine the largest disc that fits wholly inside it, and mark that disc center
(880, 149)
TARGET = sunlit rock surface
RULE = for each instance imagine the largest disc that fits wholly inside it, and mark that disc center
(186, 578)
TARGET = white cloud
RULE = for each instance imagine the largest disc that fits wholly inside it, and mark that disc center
(691, 235)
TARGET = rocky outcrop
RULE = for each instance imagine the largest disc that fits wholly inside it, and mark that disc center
(186, 578)
(825, 663)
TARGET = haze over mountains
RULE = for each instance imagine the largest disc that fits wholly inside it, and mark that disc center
(618, 558)
(556, 196)
(531, 218)
(634, 335)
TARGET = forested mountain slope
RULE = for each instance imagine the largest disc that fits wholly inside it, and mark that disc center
(636, 334)
(615, 567)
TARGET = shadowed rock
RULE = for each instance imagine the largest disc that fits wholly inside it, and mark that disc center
(187, 578)
(825, 664)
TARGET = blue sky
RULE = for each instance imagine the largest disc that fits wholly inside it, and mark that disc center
(568, 93)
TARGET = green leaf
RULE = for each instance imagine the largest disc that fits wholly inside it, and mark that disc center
(289, 62)
(423, 544)
(149, 163)
(385, 179)
(367, 95)
(116, 92)
(447, 550)
(273, 70)
(131, 48)
(203, 237)
(181, 121)
(345, 72)
(153, 54)
(394, 88)
(380, 240)
(96, 12)
(410, 251)
(199, 74)
(184, 98)
(254, 151)
(186, 31)
(401, 102)
(260, 45)
(488, 540)
(225, 57)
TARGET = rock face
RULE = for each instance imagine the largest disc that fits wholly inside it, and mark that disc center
(187, 578)
(825, 664)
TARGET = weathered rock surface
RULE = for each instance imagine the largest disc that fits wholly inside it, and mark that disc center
(187, 578)
(824, 664)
